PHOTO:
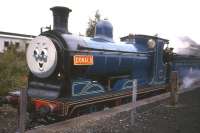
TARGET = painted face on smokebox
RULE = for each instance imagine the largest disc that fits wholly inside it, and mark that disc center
(41, 56)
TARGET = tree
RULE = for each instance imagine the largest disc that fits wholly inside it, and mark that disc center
(90, 31)
(13, 69)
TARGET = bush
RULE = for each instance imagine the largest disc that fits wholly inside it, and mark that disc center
(13, 70)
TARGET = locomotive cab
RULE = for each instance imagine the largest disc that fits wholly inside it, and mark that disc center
(154, 47)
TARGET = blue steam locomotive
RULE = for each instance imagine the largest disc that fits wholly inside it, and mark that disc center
(70, 75)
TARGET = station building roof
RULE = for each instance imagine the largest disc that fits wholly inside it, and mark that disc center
(16, 35)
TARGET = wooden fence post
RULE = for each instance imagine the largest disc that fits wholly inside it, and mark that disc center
(134, 97)
(174, 88)
(22, 110)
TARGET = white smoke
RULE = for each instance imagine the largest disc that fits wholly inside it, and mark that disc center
(189, 47)
(191, 80)
(185, 46)
(188, 82)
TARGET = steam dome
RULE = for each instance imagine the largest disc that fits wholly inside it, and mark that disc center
(104, 30)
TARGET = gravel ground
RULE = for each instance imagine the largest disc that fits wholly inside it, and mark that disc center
(162, 118)
(8, 119)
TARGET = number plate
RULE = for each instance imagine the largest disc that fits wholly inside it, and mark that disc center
(83, 60)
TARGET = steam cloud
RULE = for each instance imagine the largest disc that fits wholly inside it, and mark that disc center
(189, 47)
(191, 79)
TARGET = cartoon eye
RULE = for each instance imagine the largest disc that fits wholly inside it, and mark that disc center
(36, 53)
(44, 53)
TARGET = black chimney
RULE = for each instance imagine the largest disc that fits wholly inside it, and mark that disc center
(60, 18)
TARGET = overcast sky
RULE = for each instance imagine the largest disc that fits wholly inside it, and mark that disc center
(167, 18)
